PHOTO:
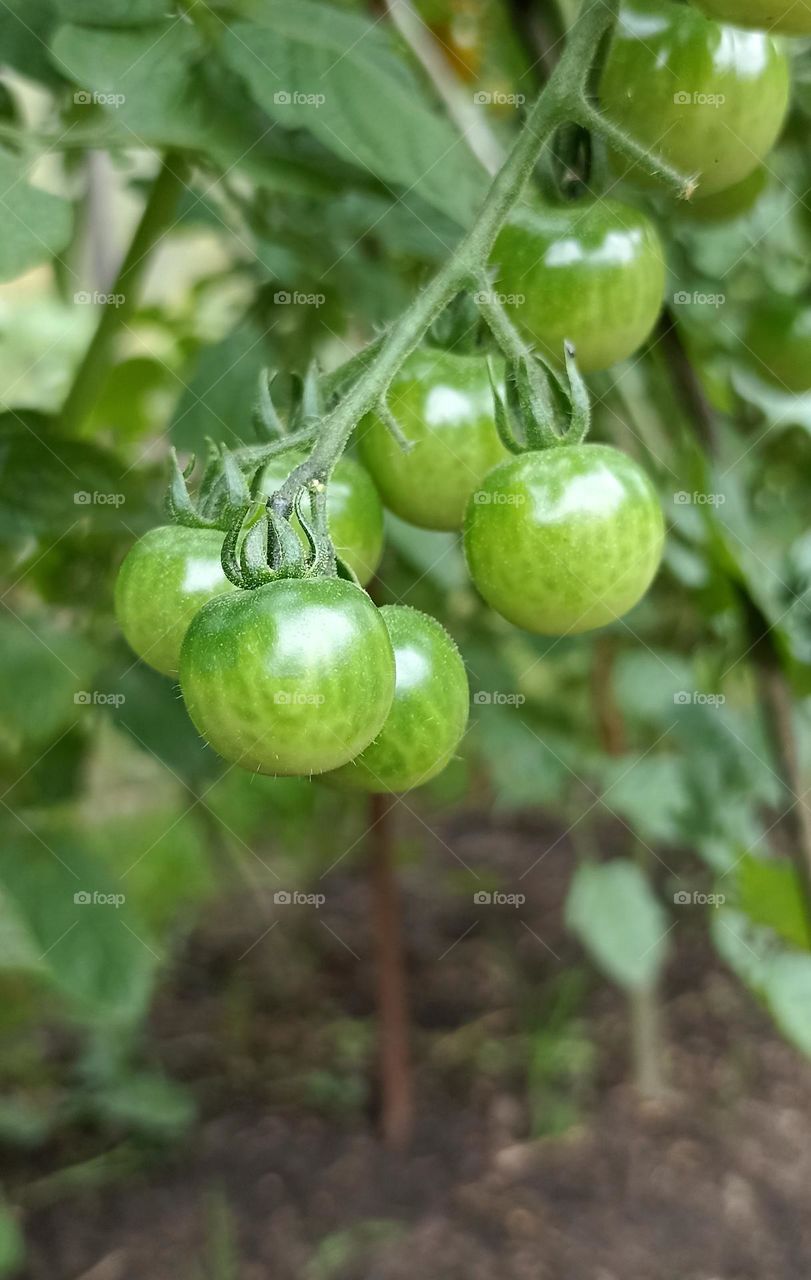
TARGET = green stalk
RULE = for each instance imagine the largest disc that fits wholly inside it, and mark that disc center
(95, 365)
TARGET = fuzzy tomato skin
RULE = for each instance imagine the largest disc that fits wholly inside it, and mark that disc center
(709, 98)
(591, 272)
(444, 403)
(777, 344)
(166, 577)
(564, 540)
(294, 677)
(779, 17)
(354, 511)
(428, 715)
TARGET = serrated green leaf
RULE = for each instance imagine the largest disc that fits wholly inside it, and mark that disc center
(36, 224)
(312, 67)
(612, 909)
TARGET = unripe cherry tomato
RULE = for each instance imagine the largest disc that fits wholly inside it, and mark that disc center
(166, 577)
(294, 677)
(444, 404)
(710, 98)
(566, 539)
(429, 712)
(591, 272)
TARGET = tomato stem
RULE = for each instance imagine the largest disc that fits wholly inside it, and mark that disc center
(93, 370)
(563, 98)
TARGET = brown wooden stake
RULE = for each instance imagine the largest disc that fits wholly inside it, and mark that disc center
(394, 1051)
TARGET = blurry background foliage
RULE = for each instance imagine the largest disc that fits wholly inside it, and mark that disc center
(105, 785)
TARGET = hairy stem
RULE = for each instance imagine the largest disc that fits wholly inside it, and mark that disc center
(95, 365)
(562, 99)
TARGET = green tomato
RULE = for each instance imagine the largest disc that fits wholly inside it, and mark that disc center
(564, 540)
(779, 17)
(166, 577)
(294, 677)
(591, 272)
(429, 713)
(777, 342)
(354, 511)
(710, 99)
(444, 404)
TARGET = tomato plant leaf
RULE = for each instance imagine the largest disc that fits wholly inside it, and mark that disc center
(334, 74)
(36, 224)
(611, 908)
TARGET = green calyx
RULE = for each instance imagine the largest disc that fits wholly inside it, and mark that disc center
(262, 546)
(541, 409)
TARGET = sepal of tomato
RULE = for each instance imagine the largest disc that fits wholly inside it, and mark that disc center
(166, 577)
(294, 677)
(428, 715)
(354, 511)
(566, 539)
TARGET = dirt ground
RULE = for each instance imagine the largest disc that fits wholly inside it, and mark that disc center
(533, 1158)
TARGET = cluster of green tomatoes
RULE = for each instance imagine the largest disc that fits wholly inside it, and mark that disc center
(304, 674)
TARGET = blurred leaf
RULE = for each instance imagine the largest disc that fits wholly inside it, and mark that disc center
(112, 13)
(149, 1103)
(12, 1244)
(221, 392)
(525, 769)
(788, 995)
(97, 954)
(49, 483)
(770, 894)
(36, 224)
(649, 792)
(313, 67)
(612, 910)
(25, 29)
(433, 555)
(44, 668)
